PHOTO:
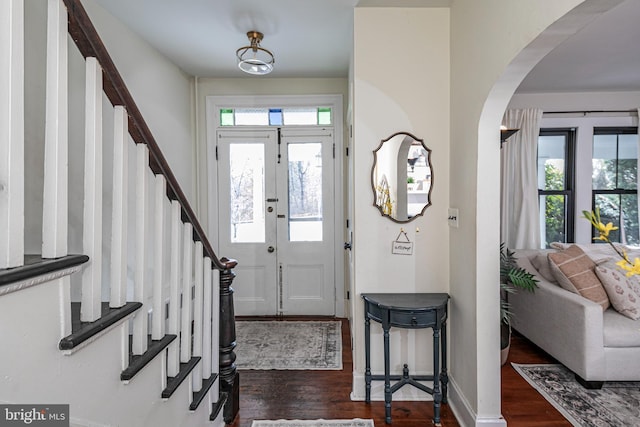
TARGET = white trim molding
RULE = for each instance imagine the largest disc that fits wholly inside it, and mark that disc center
(465, 414)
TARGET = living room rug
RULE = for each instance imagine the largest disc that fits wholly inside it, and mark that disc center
(616, 404)
(356, 422)
(274, 344)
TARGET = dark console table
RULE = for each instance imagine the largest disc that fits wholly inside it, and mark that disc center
(412, 311)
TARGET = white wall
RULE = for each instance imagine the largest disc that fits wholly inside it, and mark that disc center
(400, 83)
(34, 371)
(584, 124)
(163, 92)
(493, 44)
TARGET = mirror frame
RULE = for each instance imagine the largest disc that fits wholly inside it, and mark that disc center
(373, 178)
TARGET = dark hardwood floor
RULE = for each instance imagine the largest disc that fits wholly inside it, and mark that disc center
(275, 394)
(522, 405)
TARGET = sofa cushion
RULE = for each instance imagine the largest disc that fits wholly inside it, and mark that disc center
(574, 271)
(619, 330)
(541, 263)
(620, 290)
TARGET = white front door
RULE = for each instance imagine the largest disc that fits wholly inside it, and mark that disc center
(276, 216)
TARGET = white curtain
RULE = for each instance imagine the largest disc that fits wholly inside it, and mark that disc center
(519, 211)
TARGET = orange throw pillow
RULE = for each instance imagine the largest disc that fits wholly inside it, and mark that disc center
(575, 272)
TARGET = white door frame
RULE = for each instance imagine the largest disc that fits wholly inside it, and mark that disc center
(212, 110)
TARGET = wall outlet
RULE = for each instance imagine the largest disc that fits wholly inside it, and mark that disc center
(452, 217)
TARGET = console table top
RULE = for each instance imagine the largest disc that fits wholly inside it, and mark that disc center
(407, 301)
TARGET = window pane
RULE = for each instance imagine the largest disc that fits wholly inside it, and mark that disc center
(551, 162)
(252, 117)
(247, 192)
(300, 116)
(305, 192)
(605, 148)
(609, 205)
(553, 214)
(226, 117)
(275, 116)
(324, 116)
(629, 228)
(628, 162)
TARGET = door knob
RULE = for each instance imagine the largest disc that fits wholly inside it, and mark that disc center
(270, 209)
(271, 249)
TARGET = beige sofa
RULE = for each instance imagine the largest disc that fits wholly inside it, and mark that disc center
(597, 346)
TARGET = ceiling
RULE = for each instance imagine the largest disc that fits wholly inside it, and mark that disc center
(314, 38)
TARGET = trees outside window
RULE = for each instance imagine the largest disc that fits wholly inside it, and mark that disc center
(615, 181)
(556, 185)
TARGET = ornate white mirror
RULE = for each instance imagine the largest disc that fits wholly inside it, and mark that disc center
(402, 177)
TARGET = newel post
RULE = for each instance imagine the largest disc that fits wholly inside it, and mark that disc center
(229, 378)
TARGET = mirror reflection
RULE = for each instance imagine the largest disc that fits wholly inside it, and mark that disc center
(402, 177)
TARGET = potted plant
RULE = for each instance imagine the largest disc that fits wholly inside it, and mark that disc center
(512, 277)
(410, 183)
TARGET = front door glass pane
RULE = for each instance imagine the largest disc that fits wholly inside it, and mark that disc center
(247, 193)
(305, 192)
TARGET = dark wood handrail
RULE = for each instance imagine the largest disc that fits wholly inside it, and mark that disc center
(90, 44)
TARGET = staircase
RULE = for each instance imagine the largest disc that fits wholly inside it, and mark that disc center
(138, 328)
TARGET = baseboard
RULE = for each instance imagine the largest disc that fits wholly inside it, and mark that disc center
(463, 412)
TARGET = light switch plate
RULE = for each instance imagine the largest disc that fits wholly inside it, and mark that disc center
(452, 217)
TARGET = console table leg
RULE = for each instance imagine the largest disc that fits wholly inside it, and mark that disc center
(437, 394)
(367, 358)
(387, 379)
(444, 376)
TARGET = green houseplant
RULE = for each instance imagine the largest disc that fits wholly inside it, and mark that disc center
(512, 278)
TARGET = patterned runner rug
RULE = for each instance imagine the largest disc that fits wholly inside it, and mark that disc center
(617, 404)
(313, 345)
(357, 422)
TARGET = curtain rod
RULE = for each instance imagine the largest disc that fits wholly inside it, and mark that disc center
(585, 112)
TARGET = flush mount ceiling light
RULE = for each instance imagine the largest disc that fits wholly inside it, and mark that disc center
(254, 59)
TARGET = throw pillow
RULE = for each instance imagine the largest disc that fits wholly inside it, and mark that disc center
(574, 271)
(541, 263)
(620, 290)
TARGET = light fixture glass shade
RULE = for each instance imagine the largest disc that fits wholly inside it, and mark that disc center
(254, 59)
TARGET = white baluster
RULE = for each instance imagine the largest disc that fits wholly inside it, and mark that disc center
(140, 322)
(119, 214)
(187, 273)
(206, 317)
(198, 315)
(92, 226)
(12, 133)
(55, 195)
(173, 357)
(157, 326)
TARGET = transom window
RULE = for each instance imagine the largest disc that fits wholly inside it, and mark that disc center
(289, 116)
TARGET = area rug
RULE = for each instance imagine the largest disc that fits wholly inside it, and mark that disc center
(617, 404)
(313, 345)
(357, 422)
